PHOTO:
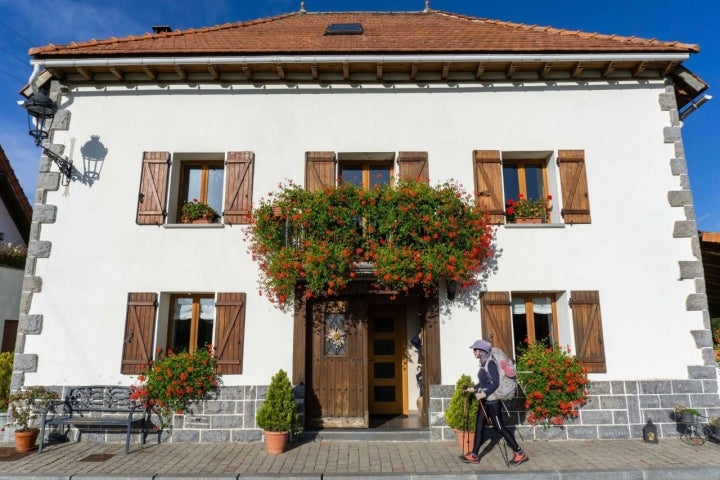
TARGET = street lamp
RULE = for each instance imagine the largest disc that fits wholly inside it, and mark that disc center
(41, 113)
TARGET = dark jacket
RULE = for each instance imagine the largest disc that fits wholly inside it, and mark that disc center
(488, 380)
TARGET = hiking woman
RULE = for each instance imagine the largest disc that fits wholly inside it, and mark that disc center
(488, 381)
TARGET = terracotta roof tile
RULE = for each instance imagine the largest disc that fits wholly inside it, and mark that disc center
(384, 32)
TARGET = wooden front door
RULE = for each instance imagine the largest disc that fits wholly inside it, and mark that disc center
(387, 370)
(336, 393)
(9, 336)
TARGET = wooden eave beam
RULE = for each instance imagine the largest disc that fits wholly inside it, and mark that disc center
(414, 70)
(346, 71)
(379, 72)
(180, 70)
(117, 73)
(609, 68)
(85, 73)
(480, 70)
(639, 69)
(445, 71)
(511, 70)
(214, 72)
(280, 71)
(579, 67)
(545, 70)
(247, 71)
(314, 71)
(150, 72)
(57, 73)
(668, 68)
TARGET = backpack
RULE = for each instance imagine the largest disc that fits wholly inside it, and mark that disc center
(507, 374)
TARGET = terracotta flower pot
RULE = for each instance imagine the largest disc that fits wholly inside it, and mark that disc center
(276, 442)
(529, 220)
(465, 440)
(25, 440)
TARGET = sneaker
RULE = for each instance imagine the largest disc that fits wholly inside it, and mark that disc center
(470, 458)
(519, 458)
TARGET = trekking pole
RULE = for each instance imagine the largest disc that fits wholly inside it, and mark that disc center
(466, 422)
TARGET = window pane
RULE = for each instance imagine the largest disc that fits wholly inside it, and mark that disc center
(384, 394)
(205, 326)
(519, 319)
(534, 179)
(191, 183)
(352, 175)
(182, 313)
(215, 187)
(379, 176)
(511, 184)
(542, 319)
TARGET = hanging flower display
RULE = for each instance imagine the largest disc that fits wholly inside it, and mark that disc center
(411, 235)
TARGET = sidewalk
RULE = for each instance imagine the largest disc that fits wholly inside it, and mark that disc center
(326, 460)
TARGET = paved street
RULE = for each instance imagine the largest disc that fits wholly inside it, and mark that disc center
(561, 460)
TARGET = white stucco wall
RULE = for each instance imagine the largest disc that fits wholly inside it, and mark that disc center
(628, 252)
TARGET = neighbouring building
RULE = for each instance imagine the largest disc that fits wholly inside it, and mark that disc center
(225, 113)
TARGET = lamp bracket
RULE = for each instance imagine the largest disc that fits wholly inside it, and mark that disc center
(63, 163)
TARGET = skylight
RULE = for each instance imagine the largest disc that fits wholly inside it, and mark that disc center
(344, 29)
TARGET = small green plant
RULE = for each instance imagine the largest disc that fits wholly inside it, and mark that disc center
(554, 382)
(175, 380)
(6, 366)
(26, 405)
(12, 256)
(278, 412)
(195, 210)
(462, 409)
(525, 208)
(682, 409)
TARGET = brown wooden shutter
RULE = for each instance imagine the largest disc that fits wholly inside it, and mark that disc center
(229, 332)
(488, 184)
(413, 166)
(152, 198)
(496, 321)
(431, 343)
(139, 332)
(573, 179)
(319, 170)
(238, 187)
(587, 323)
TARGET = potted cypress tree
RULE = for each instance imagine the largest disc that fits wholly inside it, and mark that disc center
(461, 413)
(278, 414)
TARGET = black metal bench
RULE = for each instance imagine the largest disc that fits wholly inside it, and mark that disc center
(97, 406)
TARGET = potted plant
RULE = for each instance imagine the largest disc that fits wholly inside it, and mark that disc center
(684, 413)
(278, 414)
(461, 414)
(198, 212)
(524, 210)
(25, 406)
(6, 364)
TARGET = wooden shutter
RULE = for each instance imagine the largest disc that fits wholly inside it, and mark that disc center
(488, 184)
(589, 344)
(431, 342)
(229, 332)
(152, 198)
(413, 166)
(139, 332)
(238, 187)
(319, 170)
(573, 179)
(496, 321)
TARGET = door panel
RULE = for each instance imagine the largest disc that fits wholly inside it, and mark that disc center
(336, 395)
(387, 386)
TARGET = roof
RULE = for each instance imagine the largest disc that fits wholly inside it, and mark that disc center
(710, 250)
(13, 197)
(430, 45)
(386, 32)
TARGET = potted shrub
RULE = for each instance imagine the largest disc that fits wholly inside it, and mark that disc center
(6, 363)
(278, 414)
(524, 210)
(684, 413)
(25, 406)
(461, 413)
(198, 212)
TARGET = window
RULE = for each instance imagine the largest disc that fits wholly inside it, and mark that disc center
(202, 182)
(367, 170)
(191, 322)
(533, 318)
(528, 179)
(224, 181)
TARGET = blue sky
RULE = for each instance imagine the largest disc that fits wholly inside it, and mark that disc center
(26, 23)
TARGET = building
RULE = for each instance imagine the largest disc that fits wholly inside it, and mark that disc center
(15, 215)
(223, 114)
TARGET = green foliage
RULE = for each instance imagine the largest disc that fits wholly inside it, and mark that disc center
(194, 210)
(715, 322)
(555, 383)
(27, 404)
(176, 380)
(278, 412)
(12, 256)
(462, 410)
(681, 409)
(6, 366)
(525, 208)
(412, 235)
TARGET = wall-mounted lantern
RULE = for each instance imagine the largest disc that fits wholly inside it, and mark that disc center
(41, 113)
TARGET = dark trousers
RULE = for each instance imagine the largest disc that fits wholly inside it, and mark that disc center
(494, 411)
